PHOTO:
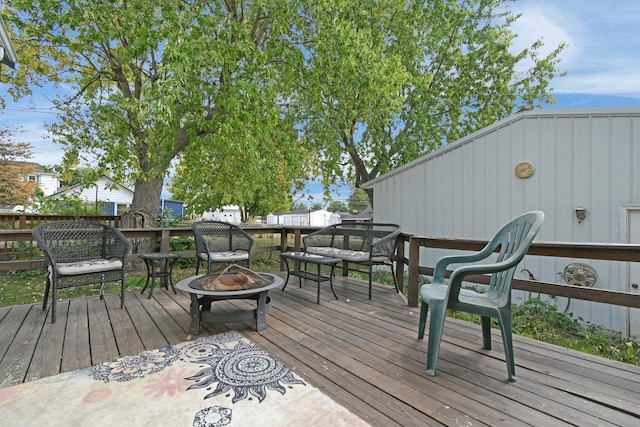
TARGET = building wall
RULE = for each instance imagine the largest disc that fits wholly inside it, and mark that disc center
(318, 218)
(48, 183)
(586, 158)
(227, 213)
(173, 208)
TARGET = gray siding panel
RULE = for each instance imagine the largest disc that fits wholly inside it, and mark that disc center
(588, 158)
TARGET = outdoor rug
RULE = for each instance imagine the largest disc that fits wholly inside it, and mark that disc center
(220, 380)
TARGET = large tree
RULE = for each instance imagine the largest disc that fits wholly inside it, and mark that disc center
(15, 188)
(154, 81)
(387, 81)
(237, 91)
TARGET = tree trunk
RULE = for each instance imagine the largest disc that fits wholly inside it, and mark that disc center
(143, 213)
(146, 200)
(369, 192)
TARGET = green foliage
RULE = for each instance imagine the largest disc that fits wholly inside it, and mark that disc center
(201, 83)
(387, 81)
(183, 243)
(14, 168)
(358, 201)
(62, 205)
(336, 206)
(541, 320)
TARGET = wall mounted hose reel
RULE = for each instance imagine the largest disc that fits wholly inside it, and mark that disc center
(579, 274)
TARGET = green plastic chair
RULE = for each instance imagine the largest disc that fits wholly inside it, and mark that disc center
(514, 240)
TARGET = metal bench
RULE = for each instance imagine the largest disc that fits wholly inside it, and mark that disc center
(359, 243)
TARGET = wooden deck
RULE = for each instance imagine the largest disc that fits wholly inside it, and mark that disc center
(364, 354)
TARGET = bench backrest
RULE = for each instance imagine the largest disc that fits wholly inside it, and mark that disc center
(366, 237)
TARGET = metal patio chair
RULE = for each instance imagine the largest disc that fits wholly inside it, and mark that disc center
(219, 242)
(79, 253)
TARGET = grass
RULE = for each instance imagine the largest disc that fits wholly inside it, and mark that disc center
(27, 287)
(542, 321)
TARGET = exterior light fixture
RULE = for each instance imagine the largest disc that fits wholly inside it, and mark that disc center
(580, 214)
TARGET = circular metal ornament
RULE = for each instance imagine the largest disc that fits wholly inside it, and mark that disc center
(579, 274)
(524, 170)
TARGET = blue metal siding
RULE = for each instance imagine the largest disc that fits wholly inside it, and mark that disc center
(174, 208)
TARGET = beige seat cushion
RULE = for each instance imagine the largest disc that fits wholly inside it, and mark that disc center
(226, 256)
(343, 254)
(89, 266)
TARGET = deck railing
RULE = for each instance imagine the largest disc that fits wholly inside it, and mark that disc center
(289, 238)
(285, 239)
(596, 251)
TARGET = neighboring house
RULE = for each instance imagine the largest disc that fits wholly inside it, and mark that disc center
(171, 208)
(317, 218)
(48, 182)
(12, 208)
(364, 216)
(227, 213)
(564, 162)
(112, 197)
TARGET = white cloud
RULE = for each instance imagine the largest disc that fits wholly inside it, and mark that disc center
(45, 152)
(603, 52)
(537, 22)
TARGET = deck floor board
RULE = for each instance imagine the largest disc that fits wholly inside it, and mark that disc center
(362, 353)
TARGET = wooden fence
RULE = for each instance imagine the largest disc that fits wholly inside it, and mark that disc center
(17, 221)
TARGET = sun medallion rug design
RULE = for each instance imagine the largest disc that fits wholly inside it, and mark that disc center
(220, 380)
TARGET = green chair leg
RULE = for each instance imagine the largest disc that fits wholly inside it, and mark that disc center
(424, 310)
(486, 332)
(436, 325)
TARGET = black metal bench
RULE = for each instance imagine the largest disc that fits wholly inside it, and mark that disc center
(359, 243)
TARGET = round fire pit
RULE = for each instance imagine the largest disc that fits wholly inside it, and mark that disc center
(201, 301)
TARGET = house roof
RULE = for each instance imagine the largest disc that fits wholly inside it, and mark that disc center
(366, 214)
(298, 212)
(77, 187)
(38, 168)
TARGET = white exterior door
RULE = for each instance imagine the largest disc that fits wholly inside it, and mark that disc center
(634, 270)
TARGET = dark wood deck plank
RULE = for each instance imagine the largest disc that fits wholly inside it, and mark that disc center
(580, 387)
(124, 330)
(362, 353)
(17, 358)
(145, 325)
(76, 350)
(103, 342)
(171, 315)
(47, 356)
(398, 358)
(11, 323)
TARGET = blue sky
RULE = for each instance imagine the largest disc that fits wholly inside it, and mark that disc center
(602, 61)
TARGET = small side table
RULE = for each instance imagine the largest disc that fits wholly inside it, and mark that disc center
(160, 265)
(303, 273)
